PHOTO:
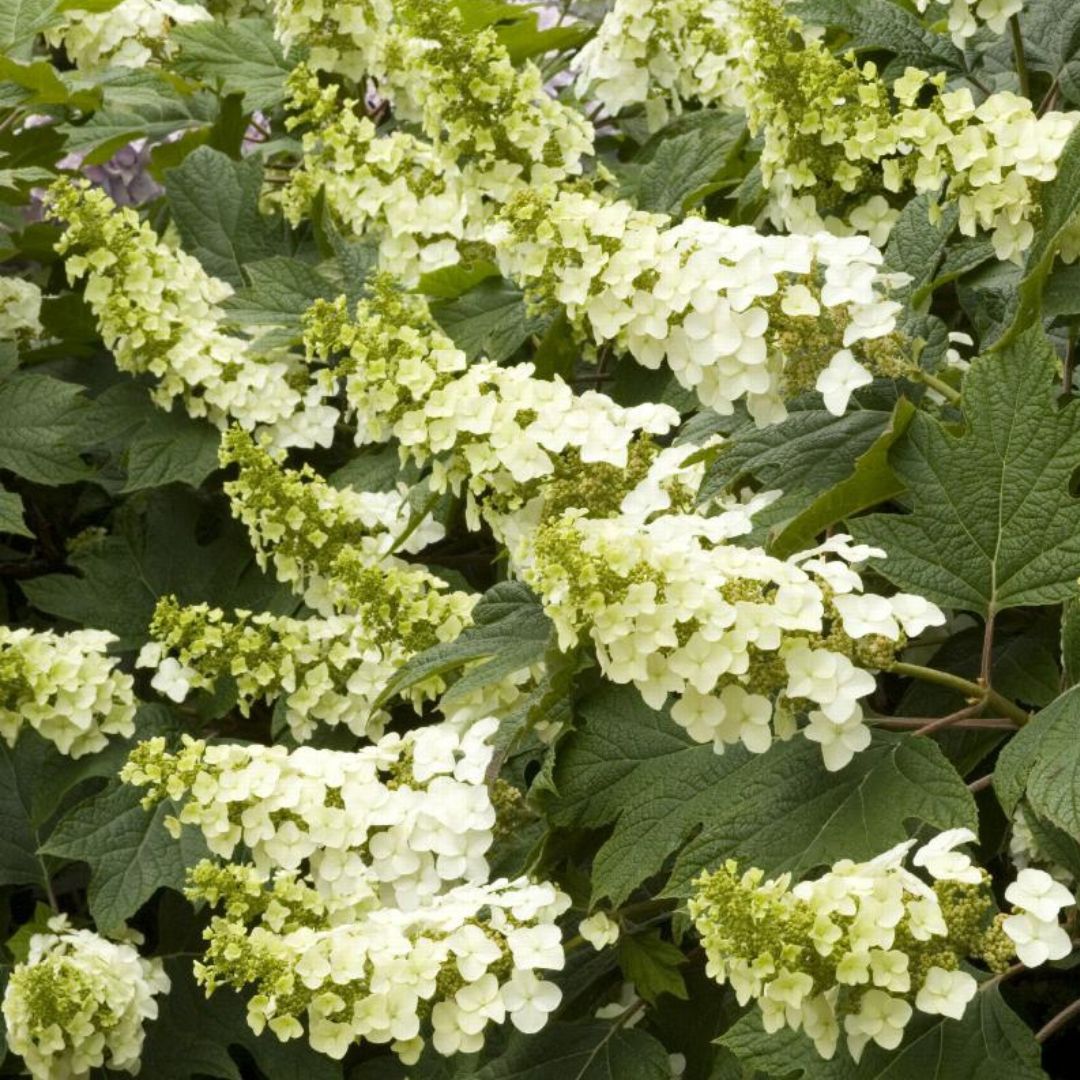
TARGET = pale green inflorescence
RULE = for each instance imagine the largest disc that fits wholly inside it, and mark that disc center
(747, 643)
(858, 950)
(80, 1002)
(65, 687)
(159, 312)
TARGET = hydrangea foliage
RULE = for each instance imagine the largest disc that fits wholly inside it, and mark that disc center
(537, 540)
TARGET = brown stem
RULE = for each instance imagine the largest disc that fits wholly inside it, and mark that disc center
(1063, 1018)
(982, 723)
(981, 784)
(1002, 976)
(966, 713)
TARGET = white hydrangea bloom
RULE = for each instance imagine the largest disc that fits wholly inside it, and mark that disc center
(79, 1002)
(65, 687)
(699, 295)
(1037, 900)
(397, 820)
(736, 635)
(660, 53)
(20, 309)
(129, 34)
(599, 930)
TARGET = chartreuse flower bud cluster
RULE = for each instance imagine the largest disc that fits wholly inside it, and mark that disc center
(859, 949)
(833, 130)
(499, 431)
(334, 546)
(660, 53)
(158, 311)
(326, 671)
(443, 971)
(64, 686)
(398, 821)
(127, 34)
(79, 1002)
(457, 84)
(20, 309)
(966, 16)
(746, 642)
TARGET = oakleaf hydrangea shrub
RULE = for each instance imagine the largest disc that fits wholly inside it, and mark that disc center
(539, 539)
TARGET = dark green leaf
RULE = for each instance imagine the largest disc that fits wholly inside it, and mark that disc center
(629, 766)
(40, 422)
(671, 169)
(192, 1038)
(993, 524)
(872, 483)
(153, 555)
(879, 24)
(12, 521)
(215, 202)
(237, 57)
(510, 632)
(489, 320)
(128, 849)
(1042, 764)
(652, 965)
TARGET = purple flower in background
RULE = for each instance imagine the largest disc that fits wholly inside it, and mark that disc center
(124, 177)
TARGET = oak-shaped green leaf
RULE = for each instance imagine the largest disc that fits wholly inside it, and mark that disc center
(993, 524)
(990, 1042)
(193, 1037)
(631, 767)
(130, 853)
(238, 57)
(652, 965)
(215, 202)
(509, 633)
(592, 1050)
(489, 320)
(156, 553)
(158, 447)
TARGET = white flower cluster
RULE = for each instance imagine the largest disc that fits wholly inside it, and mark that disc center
(127, 34)
(864, 945)
(660, 53)
(747, 642)
(466, 959)
(158, 311)
(398, 821)
(494, 429)
(20, 309)
(1033, 926)
(325, 671)
(65, 687)
(989, 158)
(964, 16)
(414, 199)
(734, 313)
(79, 1002)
